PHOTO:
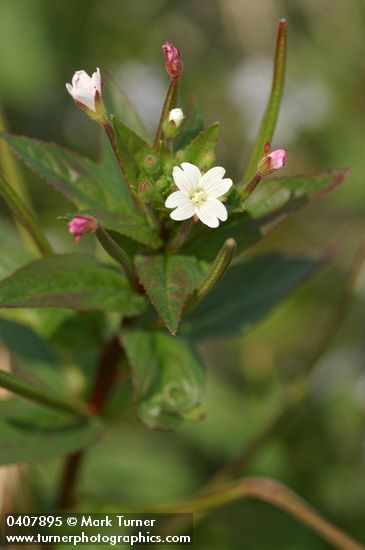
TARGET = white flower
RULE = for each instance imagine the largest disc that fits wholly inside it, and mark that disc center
(176, 116)
(85, 87)
(198, 195)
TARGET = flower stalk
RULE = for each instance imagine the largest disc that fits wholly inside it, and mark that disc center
(174, 68)
(272, 110)
(25, 217)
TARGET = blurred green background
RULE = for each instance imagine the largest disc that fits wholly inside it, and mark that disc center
(227, 48)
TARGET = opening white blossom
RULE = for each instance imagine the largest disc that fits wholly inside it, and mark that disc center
(176, 116)
(198, 195)
(84, 87)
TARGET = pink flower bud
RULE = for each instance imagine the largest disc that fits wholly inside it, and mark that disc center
(274, 161)
(278, 159)
(173, 61)
(80, 225)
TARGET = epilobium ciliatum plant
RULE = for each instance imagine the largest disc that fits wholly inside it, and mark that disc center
(176, 229)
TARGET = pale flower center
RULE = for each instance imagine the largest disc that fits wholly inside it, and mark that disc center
(198, 198)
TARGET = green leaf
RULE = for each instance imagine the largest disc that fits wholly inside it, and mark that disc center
(92, 187)
(271, 204)
(71, 281)
(169, 281)
(79, 179)
(168, 378)
(131, 148)
(192, 126)
(201, 151)
(274, 199)
(32, 358)
(23, 341)
(247, 293)
(132, 226)
(30, 432)
(268, 123)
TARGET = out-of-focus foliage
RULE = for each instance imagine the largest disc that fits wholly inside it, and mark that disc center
(227, 49)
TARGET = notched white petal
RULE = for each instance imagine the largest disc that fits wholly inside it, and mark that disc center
(219, 209)
(219, 188)
(176, 198)
(212, 176)
(207, 214)
(181, 180)
(192, 173)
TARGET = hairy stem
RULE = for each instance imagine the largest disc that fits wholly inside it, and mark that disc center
(251, 186)
(109, 358)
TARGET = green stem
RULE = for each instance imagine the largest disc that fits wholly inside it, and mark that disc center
(272, 110)
(117, 253)
(181, 236)
(110, 357)
(264, 489)
(215, 273)
(25, 217)
(299, 387)
(251, 186)
(29, 391)
(169, 103)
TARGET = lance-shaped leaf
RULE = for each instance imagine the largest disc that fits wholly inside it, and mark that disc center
(88, 185)
(246, 294)
(32, 432)
(276, 198)
(272, 203)
(169, 281)
(71, 281)
(201, 151)
(167, 376)
(132, 149)
(79, 179)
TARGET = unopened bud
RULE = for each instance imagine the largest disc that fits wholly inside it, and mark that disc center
(151, 164)
(270, 163)
(86, 93)
(173, 62)
(80, 225)
(176, 116)
(144, 190)
(172, 124)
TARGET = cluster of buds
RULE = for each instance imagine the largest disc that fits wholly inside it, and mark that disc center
(198, 195)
